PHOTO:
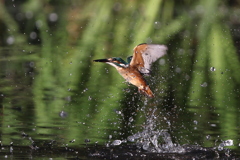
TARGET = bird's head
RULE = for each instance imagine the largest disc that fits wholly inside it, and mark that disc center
(115, 61)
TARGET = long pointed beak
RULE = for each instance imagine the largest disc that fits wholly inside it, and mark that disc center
(101, 60)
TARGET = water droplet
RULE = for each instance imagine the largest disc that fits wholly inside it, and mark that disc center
(162, 62)
(187, 77)
(228, 142)
(130, 119)
(23, 135)
(131, 138)
(87, 140)
(53, 17)
(212, 69)
(157, 25)
(178, 70)
(86, 89)
(213, 125)
(118, 112)
(195, 122)
(63, 114)
(116, 142)
(33, 35)
(208, 137)
(29, 14)
(31, 64)
(204, 84)
(39, 23)
(72, 141)
(148, 40)
(10, 40)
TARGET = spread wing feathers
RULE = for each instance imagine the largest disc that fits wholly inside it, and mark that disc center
(145, 54)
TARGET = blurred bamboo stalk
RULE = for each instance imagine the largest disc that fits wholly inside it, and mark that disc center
(200, 67)
(11, 25)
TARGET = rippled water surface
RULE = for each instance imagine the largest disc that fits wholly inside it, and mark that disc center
(41, 123)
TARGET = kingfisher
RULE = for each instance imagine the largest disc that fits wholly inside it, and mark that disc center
(138, 65)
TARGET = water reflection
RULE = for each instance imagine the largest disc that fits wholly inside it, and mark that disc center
(39, 111)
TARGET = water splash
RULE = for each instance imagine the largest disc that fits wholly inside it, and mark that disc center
(154, 140)
(228, 142)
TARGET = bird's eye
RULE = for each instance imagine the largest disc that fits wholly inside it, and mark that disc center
(114, 59)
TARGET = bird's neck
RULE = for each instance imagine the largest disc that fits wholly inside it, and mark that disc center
(117, 65)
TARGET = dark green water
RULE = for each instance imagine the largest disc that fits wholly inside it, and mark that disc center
(51, 122)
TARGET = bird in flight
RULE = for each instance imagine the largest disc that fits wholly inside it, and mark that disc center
(138, 65)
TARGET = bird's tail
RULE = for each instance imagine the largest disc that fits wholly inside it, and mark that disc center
(147, 91)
